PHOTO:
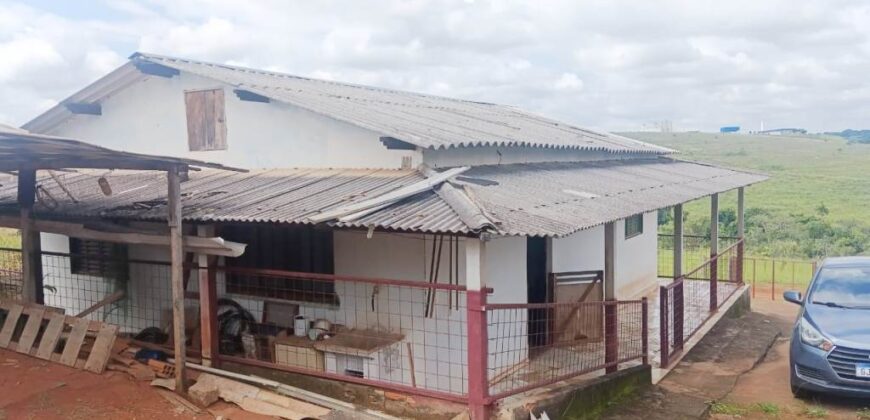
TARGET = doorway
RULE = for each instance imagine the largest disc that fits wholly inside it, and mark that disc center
(538, 291)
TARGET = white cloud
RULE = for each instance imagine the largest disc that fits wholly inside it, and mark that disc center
(613, 64)
(568, 81)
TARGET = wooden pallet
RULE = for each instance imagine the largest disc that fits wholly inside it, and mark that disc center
(48, 334)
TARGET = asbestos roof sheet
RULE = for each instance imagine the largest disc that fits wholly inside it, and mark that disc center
(20, 149)
(557, 199)
(426, 121)
(546, 199)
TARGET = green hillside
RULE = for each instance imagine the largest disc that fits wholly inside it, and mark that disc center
(816, 203)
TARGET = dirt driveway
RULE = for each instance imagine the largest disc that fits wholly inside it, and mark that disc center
(31, 388)
(764, 391)
(738, 371)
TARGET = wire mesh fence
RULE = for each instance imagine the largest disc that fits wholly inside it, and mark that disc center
(688, 302)
(404, 333)
(531, 345)
(10, 273)
(696, 251)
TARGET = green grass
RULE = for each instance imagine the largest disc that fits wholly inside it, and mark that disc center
(770, 409)
(805, 171)
(760, 270)
(816, 412)
(814, 204)
(9, 238)
(726, 408)
(863, 413)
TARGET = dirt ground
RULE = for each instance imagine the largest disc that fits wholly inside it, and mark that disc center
(738, 371)
(764, 391)
(31, 388)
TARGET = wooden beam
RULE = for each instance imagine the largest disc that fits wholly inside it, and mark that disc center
(31, 247)
(177, 275)
(609, 261)
(210, 246)
(207, 301)
(678, 241)
(114, 297)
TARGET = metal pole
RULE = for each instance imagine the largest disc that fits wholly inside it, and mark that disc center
(714, 251)
(678, 241)
(644, 320)
(741, 233)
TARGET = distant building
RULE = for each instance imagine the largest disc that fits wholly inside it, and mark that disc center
(730, 129)
(784, 132)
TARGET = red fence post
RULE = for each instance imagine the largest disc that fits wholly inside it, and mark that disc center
(644, 321)
(611, 336)
(478, 355)
(679, 314)
(714, 281)
(663, 325)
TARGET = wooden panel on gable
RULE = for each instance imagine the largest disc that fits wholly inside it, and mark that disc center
(206, 120)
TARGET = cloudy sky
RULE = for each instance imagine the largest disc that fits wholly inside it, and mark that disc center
(617, 65)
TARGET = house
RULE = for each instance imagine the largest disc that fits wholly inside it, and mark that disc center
(448, 248)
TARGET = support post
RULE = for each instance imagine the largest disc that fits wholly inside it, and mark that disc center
(478, 352)
(207, 302)
(644, 322)
(611, 338)
(663, 326)
(31, 247)
(177, 270)
(678, 241)
(741, 234)
(714, 251)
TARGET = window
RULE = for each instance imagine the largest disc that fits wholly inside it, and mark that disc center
(206, 122)
(290, 248)
(97, 258)
(633, 226)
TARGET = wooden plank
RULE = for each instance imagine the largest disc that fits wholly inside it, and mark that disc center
(51, 336)
(219, 139)
(102, 349)
(207, 302)
(31, 330)
(74, 343)
(9, 326)
(114, 297)
(194, 102)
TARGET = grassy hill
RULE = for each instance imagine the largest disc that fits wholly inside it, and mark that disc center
(816, 203)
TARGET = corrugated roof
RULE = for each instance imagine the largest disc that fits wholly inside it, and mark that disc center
(557, 199)
(546, 199)
(268, 196)
(425, 121)
(20, 149)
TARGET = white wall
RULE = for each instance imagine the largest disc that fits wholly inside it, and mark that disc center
(149, 117)
(636, 257)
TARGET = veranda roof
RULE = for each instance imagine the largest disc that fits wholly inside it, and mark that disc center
(543, 199)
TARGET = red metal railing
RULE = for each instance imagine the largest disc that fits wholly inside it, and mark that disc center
(692, 299)
(598, 335)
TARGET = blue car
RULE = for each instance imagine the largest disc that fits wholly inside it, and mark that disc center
(830, 344)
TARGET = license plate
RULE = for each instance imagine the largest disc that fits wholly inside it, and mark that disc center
(862, 370)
